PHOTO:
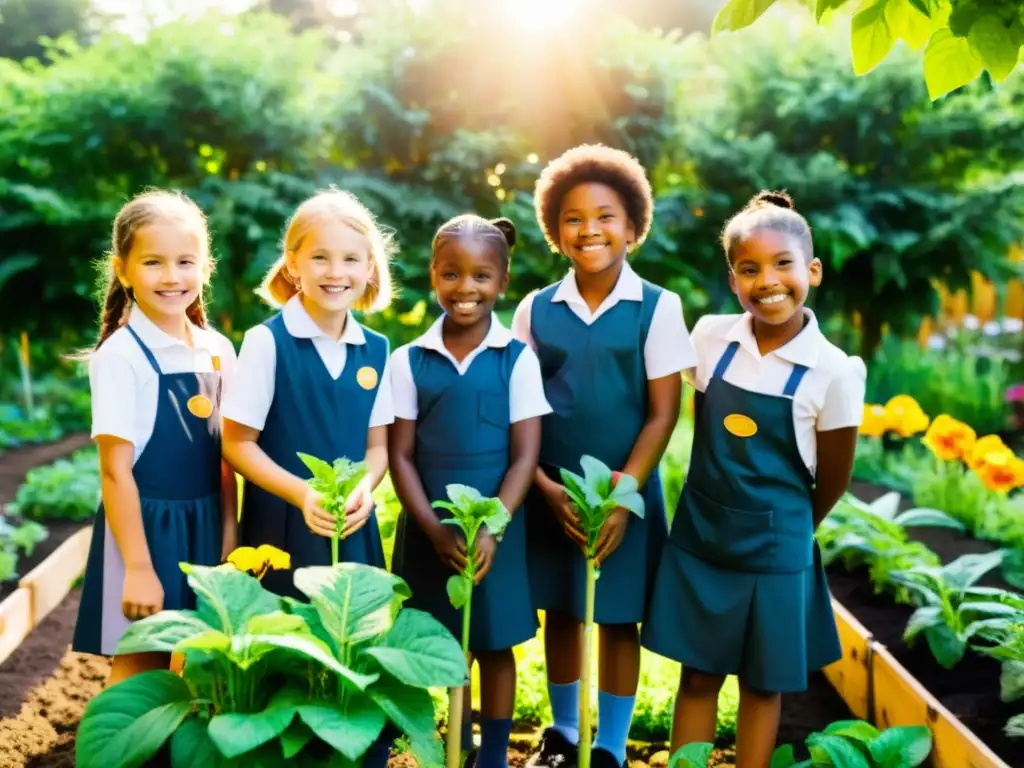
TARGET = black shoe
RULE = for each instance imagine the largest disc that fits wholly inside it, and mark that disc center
(602, 758)
(556, 751)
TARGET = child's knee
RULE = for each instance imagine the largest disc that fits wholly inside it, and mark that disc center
(495, 660)
(700, 684)
(620, 634)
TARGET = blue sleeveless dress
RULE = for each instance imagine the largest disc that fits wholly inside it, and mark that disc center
(596, 382)
(741, 588)
(328, 418)
(463, 436)
(178, 477)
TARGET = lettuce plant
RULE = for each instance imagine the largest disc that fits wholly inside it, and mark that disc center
(335, 483)
(595, 495)
(271, 681)
(470, 513)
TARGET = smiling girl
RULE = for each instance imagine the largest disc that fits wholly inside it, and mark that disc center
(311, 379)
(155, 381)
(741, 589)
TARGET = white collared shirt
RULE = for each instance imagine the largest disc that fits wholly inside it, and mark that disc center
(249, 402)
(830, 395)
(668, 349)
(526, 388)
(124, 387)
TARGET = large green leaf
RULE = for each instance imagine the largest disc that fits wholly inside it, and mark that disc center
(354, 601)
(237, 733)
(907, 22)
(227, 598)
(695, 755)
(126, 724)
(277, 623)
(1014, 727)
(901, 747)
(309, 647)
(412, 711)
(191, 746)
(945, 645)
(967, 569)
(460, 590)
(321, 470)
(931, 518)
(949, 63)
(822, 7)
(782, 757)
(994, 42)
(836, 751)
(211, 641)
(295, 738)
(161, 632)
(858, 730)
(924, 617)
(420, 651)
(1011, 680)
(737, 14)
(350, 728)
(871, 37)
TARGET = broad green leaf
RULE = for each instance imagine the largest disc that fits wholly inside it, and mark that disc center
(871, 37)
(126, 724)
(885, 506)
(597, 476)
(420, 651)
(311, 648)
(931, 518)
(967, 569)
(695, 755)
(350, 729)
(498, 519)
(462, 495)
(908, 22)
(995, 44)
(949, 63)
(277, 623)
(191, 746)
(1011, 681)
(782, 757)
(1014, 727)
(737, 14)
(820, 9)
(634, 502)
(901, 747)
(161, 632)
(321, 469)
(236, 733)
(924, 617)
(858, 730)
(412, 711)
(945, 646)
(213, 641)
(295, 738)
(228, 598)
(354, 600)
(460, 589)
(835, 751)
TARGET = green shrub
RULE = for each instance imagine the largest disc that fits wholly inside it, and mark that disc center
(67, 489)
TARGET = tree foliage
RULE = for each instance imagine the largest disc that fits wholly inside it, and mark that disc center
(24, 22)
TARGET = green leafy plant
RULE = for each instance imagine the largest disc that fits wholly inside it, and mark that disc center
(335, 483)
(1003, 639)
(14, 538)
(470, 513)
(960, 38)
(274, 681)
(67, 489)
(595, 495)
(949, 604)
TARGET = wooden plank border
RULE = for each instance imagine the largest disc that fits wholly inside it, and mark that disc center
(851, 675)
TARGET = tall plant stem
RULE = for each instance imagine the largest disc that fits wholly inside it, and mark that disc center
(454, 745)
(583, 761)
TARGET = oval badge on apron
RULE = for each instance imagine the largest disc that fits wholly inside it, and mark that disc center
(200, 406)
(367, 377)
(740, 425)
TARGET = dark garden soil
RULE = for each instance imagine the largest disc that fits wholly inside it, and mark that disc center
(970, 691)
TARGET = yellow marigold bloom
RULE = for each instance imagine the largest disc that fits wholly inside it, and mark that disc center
(875, 421)
(260, 560)
(948, 438)
(1001, 471)
(989, 444)
(905, 416)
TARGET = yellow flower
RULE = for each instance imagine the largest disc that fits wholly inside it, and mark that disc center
(259, 561)
(990, 444)
(1001, 471)
(948, 438)
(905, 416)
(875, 422)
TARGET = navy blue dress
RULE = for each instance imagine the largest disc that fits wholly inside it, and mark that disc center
(178, 477)
(328, 418)
(596, 382)
(463, 436)
(741, 588)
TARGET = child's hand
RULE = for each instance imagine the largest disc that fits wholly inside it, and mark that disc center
(565, 512)
(319, 520)
(450, 546)
(486, 547)
(142, 595)
(358, 508)
(611, 534)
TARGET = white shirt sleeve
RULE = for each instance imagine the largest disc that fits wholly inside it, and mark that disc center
(521, 321)
(250, 392)
(383, 412)
(403, 386)
(696, 374)
(668, 349)
(844, 399)
(112, 386)
(526, 389)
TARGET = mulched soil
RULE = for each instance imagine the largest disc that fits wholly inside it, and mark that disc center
(970, 691)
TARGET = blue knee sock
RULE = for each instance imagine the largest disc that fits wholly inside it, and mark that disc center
(565, 709)
(614, 715)
(494, 735)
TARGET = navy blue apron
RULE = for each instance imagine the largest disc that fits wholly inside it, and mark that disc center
(178, 476)
(328, 418)
(741, 588)
(595, 380)
(463, 436)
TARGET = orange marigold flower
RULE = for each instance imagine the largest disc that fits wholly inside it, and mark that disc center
(989, 444)
(948, 438)
(875, 422)
(905, 415)
(1001, 471)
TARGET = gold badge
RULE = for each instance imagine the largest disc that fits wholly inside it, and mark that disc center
(740, 425)
(200, 406)
(367, 377)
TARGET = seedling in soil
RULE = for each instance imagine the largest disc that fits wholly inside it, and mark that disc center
(335, 483)
(470, 513)
(595, 495)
